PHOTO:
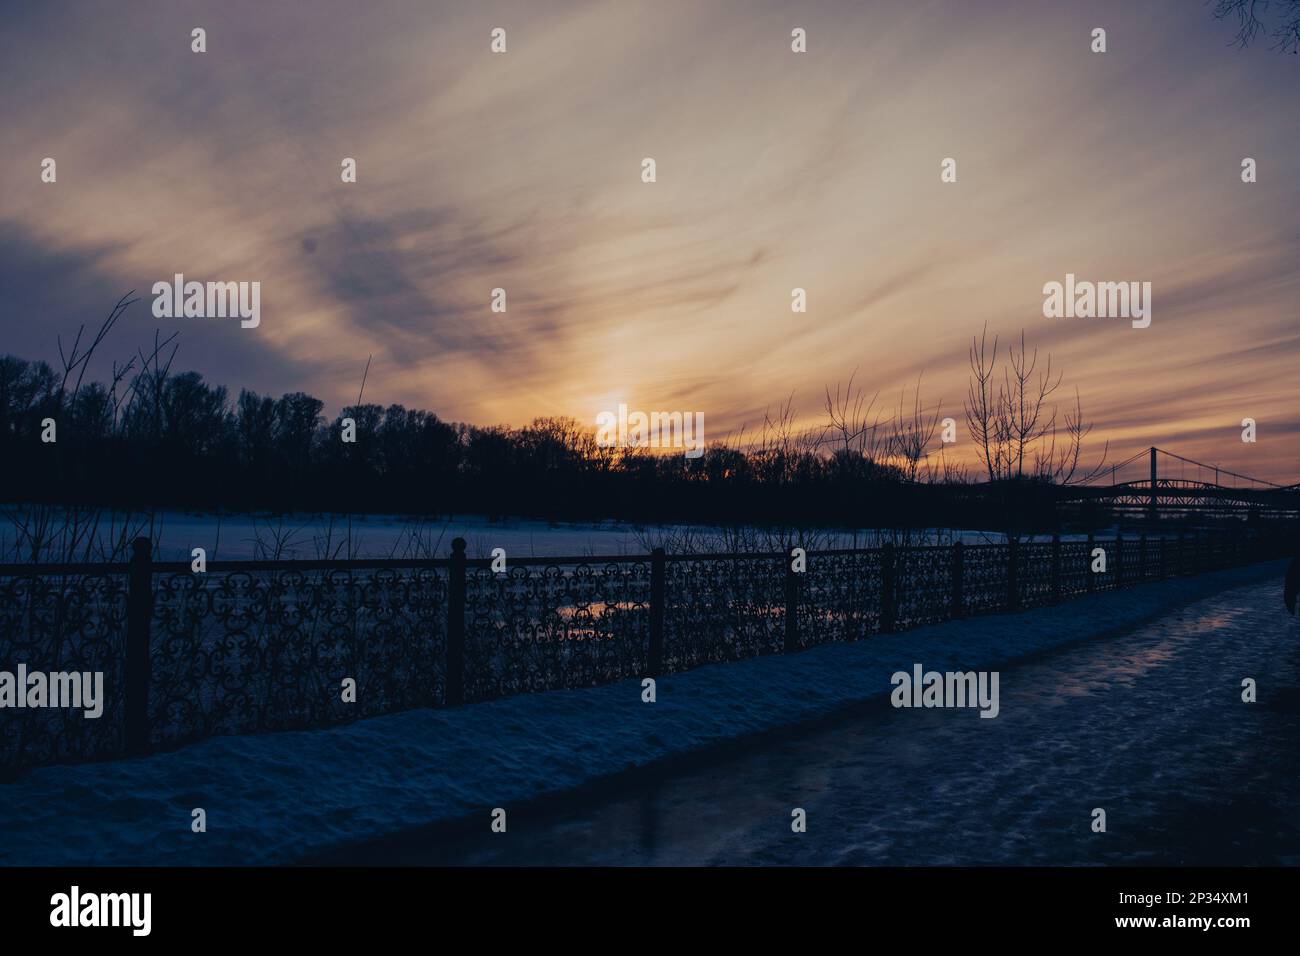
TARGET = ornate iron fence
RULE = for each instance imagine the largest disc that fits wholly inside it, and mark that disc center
(251, 646)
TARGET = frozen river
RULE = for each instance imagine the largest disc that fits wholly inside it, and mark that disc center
(316, 536)
(1150, 726)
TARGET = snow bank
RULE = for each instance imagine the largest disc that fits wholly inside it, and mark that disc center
(276, 798)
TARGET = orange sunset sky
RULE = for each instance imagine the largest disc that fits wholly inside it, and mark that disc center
(775, 170)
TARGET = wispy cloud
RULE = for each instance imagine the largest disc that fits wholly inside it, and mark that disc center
(776, 171)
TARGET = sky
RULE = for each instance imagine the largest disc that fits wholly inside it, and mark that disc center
(775, 170)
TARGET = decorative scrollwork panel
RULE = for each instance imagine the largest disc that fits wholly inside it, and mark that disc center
(63, 624)
(258, 651)
(535, 628)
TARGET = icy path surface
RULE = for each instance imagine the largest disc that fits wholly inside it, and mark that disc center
(1149, 726)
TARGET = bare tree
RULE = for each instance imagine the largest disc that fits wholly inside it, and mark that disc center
(911, 432)
(983, 405)
(1028, 415)
(852, 426)
(779, 443)
(75, 360)
(1016, 426)
(76, 532)
(1251, 15)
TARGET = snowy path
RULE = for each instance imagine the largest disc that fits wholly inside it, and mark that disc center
(1149, 726)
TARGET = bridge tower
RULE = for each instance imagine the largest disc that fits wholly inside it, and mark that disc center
(1153, 484)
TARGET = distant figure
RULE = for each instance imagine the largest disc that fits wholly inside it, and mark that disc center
(1292, 586)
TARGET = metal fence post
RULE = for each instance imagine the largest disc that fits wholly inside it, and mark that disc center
(1056, 569)
(456, 624)
(655, 649)
(1087, 562)
(1180, 560)
(887, 610)
(1013, 584)
(1119, 560)
(791, 604)
(958, 572)
(139, 611)
(1142, 556)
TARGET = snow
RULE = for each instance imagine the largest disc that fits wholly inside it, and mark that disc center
(277, 798)
(234, 537)
(1149, 725)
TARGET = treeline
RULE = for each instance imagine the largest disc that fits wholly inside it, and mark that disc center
(173, 440)
(150, 437)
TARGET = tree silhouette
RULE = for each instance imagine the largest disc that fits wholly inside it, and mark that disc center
(1253, 18)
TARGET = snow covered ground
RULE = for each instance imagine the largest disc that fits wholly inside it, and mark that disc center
(1148, 725)
(278, 798)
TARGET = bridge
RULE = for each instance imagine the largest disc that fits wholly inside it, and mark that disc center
(1203, 493)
